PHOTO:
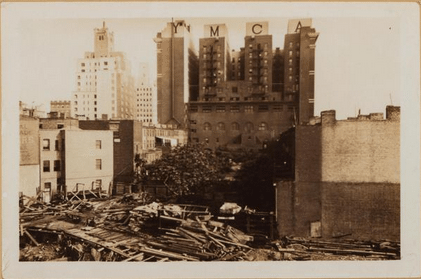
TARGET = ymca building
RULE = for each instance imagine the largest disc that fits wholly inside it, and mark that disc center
(236, 98)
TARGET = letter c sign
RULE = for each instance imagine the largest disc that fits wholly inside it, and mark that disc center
(257, 29)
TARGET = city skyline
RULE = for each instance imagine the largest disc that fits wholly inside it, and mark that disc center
(346, 69)
(367, 57)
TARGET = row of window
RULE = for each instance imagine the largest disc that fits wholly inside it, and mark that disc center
(145, 89)
(46, 145)
(99, 64)
(247, 108)
(87, 96)
(248, 127)
(57, 165)
(291, 44)
(46, 165)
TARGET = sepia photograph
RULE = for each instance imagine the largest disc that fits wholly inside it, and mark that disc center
(166, 136)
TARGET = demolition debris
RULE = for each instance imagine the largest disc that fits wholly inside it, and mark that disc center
(132, 228)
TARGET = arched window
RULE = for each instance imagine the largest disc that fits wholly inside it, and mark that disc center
(235, 126)
(249, 127)
(220, 126)
(207, 126)
(263, 126)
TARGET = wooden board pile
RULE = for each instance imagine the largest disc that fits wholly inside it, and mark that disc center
(119, 229)
(312, 249)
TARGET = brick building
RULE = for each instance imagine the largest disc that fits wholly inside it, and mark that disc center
(60, 108)
(347, 178)
(244, 99)
(29, 168)
(73, 159)
(57, 123)
(299, 67)
(177, 73)
(127, 142)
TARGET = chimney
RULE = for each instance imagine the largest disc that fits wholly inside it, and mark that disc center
(328, 117)
(376, 116)
(393, 113)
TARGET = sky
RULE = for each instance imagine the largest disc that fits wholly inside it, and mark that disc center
(357, 59)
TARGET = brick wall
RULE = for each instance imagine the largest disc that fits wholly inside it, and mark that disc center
(364, 210)
(361, 151)
(29, 141)
(347, 177)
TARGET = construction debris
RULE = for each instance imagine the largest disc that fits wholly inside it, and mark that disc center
(128, 229)
(347, 249)
(133, 228)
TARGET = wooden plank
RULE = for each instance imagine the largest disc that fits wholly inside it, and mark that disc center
(345, 251)
(135, 257)
(155, 252)
(31, 238)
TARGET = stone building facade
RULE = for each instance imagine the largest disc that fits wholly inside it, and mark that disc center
(105, 88)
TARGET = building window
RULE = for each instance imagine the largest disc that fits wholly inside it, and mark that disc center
(56, 145)
(248, 108)
(263, 108)
(207, 126)
(56, 165)
(82, 64)
(220, 126)
(290, 44)
(98, 164)
(46, 166)
(45, 144)
(105, 63)
(47, 186)
(290, 53)
(249, 127)
(290, 62)
(235, 126)
(98, 144)
(220, 109)
(235, 109)
(277, 108)
(207, 109)
(263, 126)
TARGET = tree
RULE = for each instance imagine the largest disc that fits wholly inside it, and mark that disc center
(189, 170)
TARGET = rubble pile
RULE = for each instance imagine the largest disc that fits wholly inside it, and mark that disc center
(133, 228)
(129, 229)
(295, 248)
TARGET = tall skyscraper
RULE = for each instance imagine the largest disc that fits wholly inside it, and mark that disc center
(145, 97)
(177, 76)
(104, 85)
(299, 66)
